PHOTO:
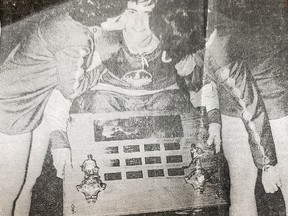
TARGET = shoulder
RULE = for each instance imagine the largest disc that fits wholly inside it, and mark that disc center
(62, 31)
(216, 48)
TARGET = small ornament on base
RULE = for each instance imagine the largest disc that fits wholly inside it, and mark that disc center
(198, 176)
(92, 185)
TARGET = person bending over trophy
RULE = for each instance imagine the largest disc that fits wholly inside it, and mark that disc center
(59, 60)
(246, 133)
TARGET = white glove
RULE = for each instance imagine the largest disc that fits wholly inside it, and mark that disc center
(61, 160)
(271, 179)
(185, 66)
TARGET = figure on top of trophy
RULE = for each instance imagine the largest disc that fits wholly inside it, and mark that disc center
(89, 166)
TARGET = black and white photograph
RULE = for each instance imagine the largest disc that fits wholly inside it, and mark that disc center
(143, 107)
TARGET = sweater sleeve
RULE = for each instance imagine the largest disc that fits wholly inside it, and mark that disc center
(240, 97)
(73, 48)
(236, 81)
(202, 92)
(70, 63)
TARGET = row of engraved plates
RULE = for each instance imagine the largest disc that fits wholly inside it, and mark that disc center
(137, 174)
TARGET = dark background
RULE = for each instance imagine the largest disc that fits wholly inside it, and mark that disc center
(265, 17)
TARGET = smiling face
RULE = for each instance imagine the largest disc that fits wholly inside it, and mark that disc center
(137, 26)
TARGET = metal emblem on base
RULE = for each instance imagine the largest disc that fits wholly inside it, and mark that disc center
(92, 185)
(198, 176)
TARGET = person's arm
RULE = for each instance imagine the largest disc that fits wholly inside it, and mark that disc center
(57, 115)
(207, 97)
(202, 93)
(73, 81)
(236, 84)
(75, 76)
(89, 80)
(237, 81)
(60, 150)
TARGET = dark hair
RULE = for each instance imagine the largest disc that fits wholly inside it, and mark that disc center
(180, 26)
(140, 1)
(94, 12)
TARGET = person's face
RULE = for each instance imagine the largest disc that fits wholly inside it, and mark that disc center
(137, 26)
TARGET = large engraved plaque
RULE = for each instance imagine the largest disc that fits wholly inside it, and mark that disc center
(141, 157)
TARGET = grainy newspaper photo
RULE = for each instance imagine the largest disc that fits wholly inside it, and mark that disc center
(143, 107)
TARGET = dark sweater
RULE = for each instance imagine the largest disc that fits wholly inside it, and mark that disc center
(47, 59)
